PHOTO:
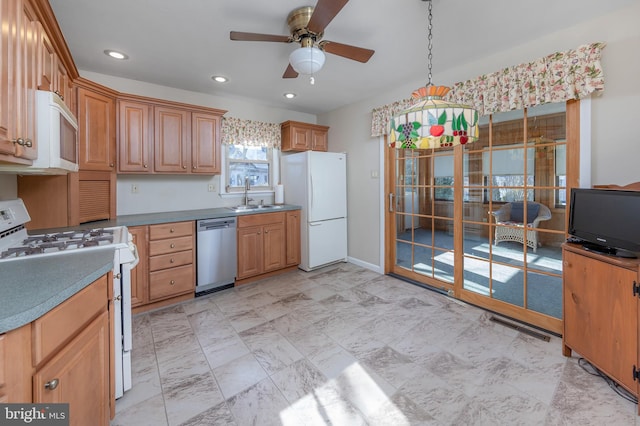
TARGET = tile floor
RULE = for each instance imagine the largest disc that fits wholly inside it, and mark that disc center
(347, 346)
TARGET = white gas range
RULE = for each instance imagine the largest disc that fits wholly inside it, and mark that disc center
(16, 243)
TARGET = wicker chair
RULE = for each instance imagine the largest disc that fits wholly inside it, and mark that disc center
(510, 223)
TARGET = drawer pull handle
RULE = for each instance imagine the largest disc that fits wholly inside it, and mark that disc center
(145, 166)
(172, 282)
(172, 260)
(172, 245)
(51, 385)
(172, 230)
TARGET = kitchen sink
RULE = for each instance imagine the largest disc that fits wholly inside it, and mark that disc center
(253, 207)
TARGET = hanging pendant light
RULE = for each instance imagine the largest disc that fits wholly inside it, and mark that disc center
(432, 122)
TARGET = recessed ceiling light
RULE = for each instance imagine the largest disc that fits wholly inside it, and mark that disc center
(289, 95)
(115, 54)
(220, 78)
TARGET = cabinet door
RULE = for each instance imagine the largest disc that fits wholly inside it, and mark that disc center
(300, 138)
(601, 315)
(47, 61)
(8, 20)
(293, 238)
(96, 127)
(171, 140)
(249, 251)
(79, 375)
(205, 143)
(274, 247)
(139, 284)
(319, 140)
(134, 147)
(25, 83)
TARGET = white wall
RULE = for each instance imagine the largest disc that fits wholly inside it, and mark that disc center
(615, 140)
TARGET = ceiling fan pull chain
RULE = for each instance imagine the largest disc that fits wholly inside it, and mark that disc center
(430, 56)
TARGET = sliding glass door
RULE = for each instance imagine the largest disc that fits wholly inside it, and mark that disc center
(484, 221)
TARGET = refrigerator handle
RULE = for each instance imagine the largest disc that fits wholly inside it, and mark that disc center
(311, 196)
(391, 202)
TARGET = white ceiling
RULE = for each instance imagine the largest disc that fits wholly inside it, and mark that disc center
(183, 43)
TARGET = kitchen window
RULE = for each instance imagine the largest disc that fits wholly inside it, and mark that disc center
(251, 149)
(254, 162)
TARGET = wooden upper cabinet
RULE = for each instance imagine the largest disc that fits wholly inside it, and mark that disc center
(47, 61)
(171, 137)
(134, 145)
(97, 130)
(205, 143)
(297, 136)
(172, 147)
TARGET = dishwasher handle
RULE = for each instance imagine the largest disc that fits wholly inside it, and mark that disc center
(205, 225)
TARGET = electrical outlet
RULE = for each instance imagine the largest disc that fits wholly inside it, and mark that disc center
(211, 187)
(134, 188)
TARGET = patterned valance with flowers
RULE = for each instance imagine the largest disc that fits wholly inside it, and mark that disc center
(558, 77)
(250, 133)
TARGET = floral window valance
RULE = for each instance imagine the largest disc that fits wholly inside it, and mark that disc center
(558, 77)
(250, 133)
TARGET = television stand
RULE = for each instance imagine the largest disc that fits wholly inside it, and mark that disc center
(611, 251)
(601, 311)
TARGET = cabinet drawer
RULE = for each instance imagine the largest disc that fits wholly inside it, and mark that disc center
(171, 282)
(170, 245)
(59, 325)
(260, 219)
(170, 230)
(170, 260)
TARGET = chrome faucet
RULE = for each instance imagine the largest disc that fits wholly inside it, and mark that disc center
(247, 187)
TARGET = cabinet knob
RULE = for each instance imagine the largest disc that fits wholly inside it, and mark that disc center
(172, 230)
(118, 276)
(18, 141)
(28, 143)
(145, 166)
(52, 384)
(59, 95)
(172, 282)
(172, 260)
(172, 245)
(184, 167)
(111, 164)
(195, 167)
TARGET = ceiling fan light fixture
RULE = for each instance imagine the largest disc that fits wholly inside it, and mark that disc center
(307, 60)
(219, 78)
(289, 95)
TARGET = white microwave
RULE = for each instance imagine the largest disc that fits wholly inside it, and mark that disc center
(56, 138)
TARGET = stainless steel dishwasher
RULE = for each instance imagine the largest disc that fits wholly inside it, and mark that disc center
(216, 254)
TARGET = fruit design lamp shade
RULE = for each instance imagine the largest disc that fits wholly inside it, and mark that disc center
(432, 122)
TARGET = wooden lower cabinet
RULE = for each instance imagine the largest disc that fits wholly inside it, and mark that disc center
(267, 245)
(600, 311)
(64, 356)
(79, 375)
(166, 271)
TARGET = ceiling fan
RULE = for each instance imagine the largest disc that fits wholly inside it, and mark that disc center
(307, 25)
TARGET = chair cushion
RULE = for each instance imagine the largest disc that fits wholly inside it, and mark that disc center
(517, 212)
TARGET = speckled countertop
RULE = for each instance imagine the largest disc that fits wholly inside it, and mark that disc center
(31, 287)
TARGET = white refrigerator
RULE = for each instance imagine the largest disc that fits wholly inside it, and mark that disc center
(317, 181)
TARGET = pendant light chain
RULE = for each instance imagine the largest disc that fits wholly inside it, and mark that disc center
(430, 27)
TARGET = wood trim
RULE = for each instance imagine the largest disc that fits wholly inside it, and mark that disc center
(635, 186)
(171, 104)
(95, 87)
(265, 275)
(47, 18)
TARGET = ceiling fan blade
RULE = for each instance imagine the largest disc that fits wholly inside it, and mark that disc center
(290, 72)
(323, 13)
(240, 36)
(346, 51)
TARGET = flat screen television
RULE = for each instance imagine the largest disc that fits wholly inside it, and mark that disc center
(606, 220)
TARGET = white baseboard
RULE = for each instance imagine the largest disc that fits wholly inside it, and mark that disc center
(367, 265)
